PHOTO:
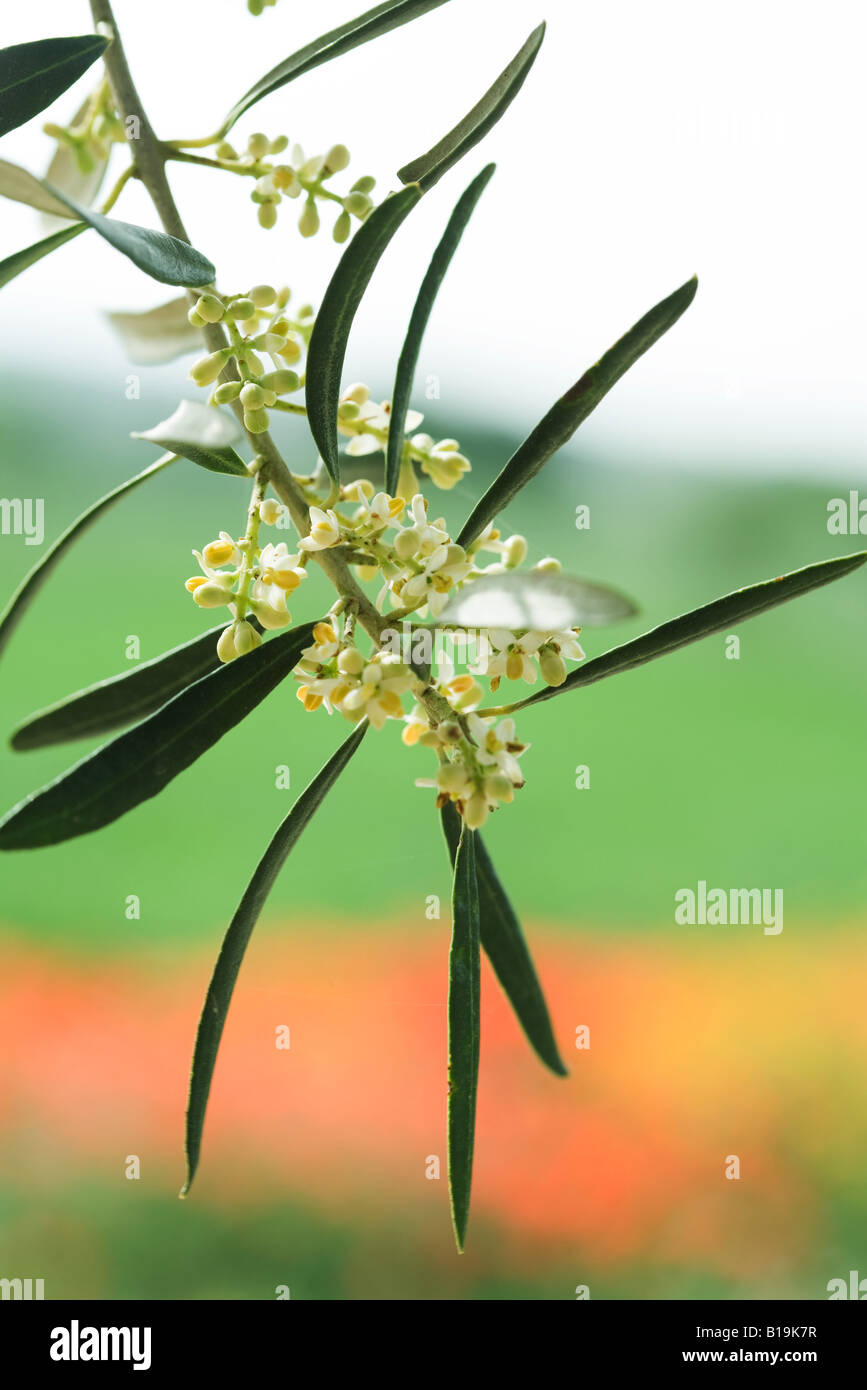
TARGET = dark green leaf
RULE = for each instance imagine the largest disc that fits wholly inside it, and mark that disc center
(20, 260)
(334, 320)
(122, 700)
(701, 622)
(159, 255)
(32, 582)
(204, 434)
(519, 600)
(33, 75)
(138, 764)
(571, 410)
(331, 45)
(464, 1032)
(235, 942)
(418, 322)
(429, 168)
(504, 944)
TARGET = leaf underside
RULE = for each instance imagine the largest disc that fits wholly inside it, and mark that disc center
(713, 617)
(235, 943)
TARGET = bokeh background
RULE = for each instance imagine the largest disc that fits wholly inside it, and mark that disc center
(647, 149)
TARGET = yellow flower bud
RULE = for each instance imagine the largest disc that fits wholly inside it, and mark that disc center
(262, 295)
(194, 582)
(514, 666)
(207, 369)
(476, 811)
(324, 632)
(350, 662)
(218, 553)
(211, 308)
(291, 350)
(308, 222)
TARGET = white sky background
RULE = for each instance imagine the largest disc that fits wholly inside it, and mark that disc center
(649, 142)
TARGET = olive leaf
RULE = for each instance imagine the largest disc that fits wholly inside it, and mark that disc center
(331, 331)
(157, 335)
(23, 187)
(237, 937)
(464, 1032)
(33, 75)
(34, 580)
(424, 303)
(159, 255)
(503, 943)
(362, 29)
(718, 616)
(534, 599)
(137, 765)
(429, 168)
(124, 699)
(204, 434)
(20, 260)
(572, 409)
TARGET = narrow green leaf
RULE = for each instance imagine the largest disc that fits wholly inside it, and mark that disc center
(33, 75)
(571, 410)
(20, 260)
(534, 599)
(334, 320)
(429, 168)
(33, 582)
(138, 764)
(121, 700)
(430, 286)
(23, 187)
(718, 616)
(331, 45)
(464, 1032)
(235, 943)
(506, 948)
(157, 335)
(159, 255)
(204, 434)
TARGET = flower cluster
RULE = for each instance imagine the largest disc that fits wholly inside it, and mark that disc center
(91, 135)
(258, 325)
(333, 672)
(366, 426)
(297, 176)
(251, 581)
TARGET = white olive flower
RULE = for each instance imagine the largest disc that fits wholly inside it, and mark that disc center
(324, 530)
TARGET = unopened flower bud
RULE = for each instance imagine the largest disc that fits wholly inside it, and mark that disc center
(212, 595)
(283, 297)
(241, 309)
(365, 184)
(262, 296)
(552, 666)
(282, 381)
(336, 159)
(226, 649)
(311, 168)
(358, 392)
(452, 777)
(252, 396)
(308, 222)
(548, 565)
(226, 151)
(278, 144)
(227, 391)
(499, 788)
(207, 369)
(269, 342)
(270, 511)
(476, 811)
(256, 421)
(291, 350)
(350, 662)
(358, 204)
(342, 228)
(246, 637)
(257, 145)
(516, 552)
(267, 215)
(211, 308)
(407, 543)
(195, 318)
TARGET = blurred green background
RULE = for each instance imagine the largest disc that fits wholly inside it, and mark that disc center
(706, 1041)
